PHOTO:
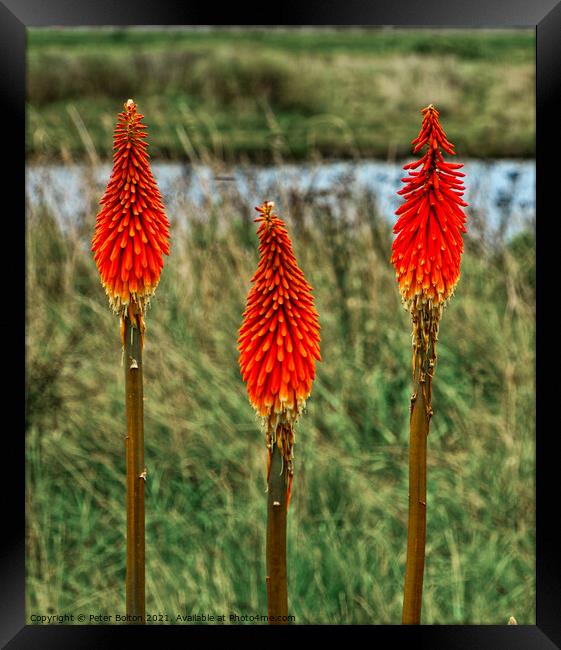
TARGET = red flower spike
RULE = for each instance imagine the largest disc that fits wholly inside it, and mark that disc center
(429, 245)
(131, 231)
(279, 337)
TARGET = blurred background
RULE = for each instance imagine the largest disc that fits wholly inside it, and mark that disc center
(320, 121)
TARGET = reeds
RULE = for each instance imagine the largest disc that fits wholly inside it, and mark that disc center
(205, 483)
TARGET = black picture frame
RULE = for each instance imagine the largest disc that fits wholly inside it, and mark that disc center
(545, 16)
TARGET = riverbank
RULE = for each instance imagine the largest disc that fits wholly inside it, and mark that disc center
(268, 96)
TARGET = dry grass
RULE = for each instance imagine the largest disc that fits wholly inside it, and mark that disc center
(205, 455)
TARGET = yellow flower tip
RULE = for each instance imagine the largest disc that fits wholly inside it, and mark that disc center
(431, 110)
(266, 208)
(265, 211)
(129, 104)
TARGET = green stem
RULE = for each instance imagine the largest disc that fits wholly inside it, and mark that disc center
(136, 475)
(277, 593)
(425, 320)
(417, 522)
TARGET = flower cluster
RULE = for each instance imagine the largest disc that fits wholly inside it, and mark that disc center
(132, 231)
(428, 246)
(279, 335)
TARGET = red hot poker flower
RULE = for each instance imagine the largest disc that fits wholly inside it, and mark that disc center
(279, 335)
(426, 256)
(428, 246)
(132, 231)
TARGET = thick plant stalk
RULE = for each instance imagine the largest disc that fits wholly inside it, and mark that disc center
(417, 521)
(277, 591)
(136, 474)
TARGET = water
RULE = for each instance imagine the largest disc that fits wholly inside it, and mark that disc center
(500, 193)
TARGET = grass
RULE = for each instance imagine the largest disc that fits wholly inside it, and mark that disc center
(465, 43)
(251, 94)
(205, 454)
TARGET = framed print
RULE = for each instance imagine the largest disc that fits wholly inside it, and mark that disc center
(286, 332)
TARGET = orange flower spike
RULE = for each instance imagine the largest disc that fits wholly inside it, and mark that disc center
(428, 247)
(131, 232)
(279, 336)
(426, 254)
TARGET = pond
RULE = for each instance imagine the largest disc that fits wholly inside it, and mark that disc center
(500, 193)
